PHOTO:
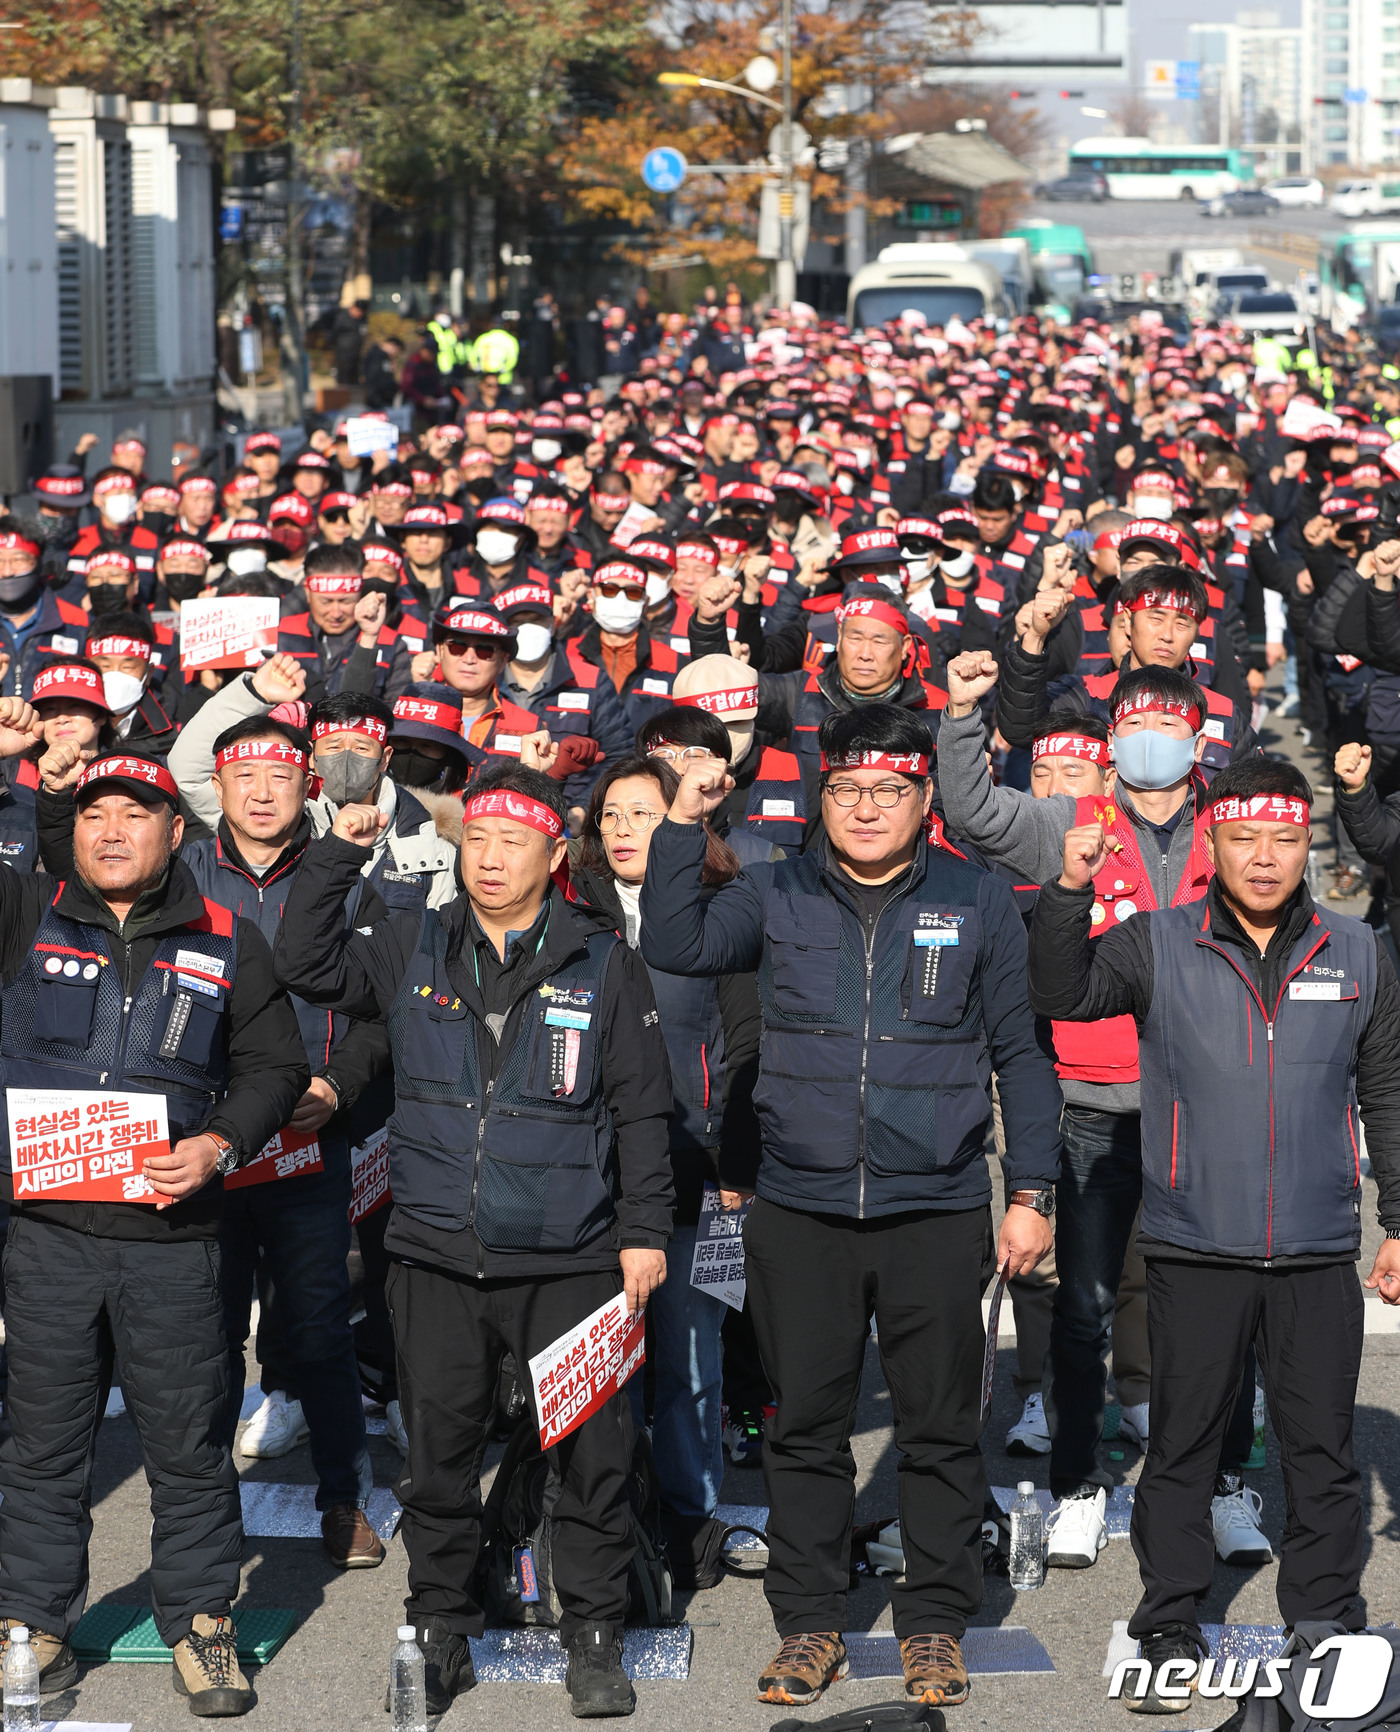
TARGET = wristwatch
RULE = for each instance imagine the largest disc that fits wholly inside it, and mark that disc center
(228, 1155)
(1392, 1232)
(1043, 1201)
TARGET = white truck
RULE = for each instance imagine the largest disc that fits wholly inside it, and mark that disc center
(936, 278)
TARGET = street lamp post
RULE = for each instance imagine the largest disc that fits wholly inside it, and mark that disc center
(787, 269)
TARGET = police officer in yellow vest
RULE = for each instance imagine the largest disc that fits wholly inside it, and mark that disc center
(496, 351)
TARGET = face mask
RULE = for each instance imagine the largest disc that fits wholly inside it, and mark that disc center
(903, 397)
(532, 642)
(740, 739)
(616, 613)
(845, 483)
(19, 591)
(893, 581)
(545, 450)
(950, 421)
(917, 567)
(347, 778)
(244, 561)
(60, 530)
(158, 522)
(119, 507)
(1222, 500)
(182, 585)
(862, 456)
(958, 567)
(414, 769)
(375, 586)
(658, 587)
(107, 597)
(1148, 759)
(496, 546)
(122, 692)
(1152, 505)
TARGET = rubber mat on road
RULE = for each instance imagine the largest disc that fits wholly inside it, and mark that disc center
(1240, 1642)
(986, 1650)
(744, 1515)
(535, 1657)
(127, 1634)
(1118, 1515)
(85, 1726)
(288, 1512)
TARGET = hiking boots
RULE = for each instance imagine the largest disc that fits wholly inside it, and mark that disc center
(934, 1670)
(597, 1685)
(803, 1667)
(348, 1537)
(206, 1669)
(57, 1667)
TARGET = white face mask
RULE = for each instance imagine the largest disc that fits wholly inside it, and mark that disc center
(845, 483)
(658, 587)
(497, 546)
(917, 567)
(958, 567)
(863, 455)
(244, 561)
(122, 692)
(893, 581)
(1152, 505)
(119, 507)
(950, 421)
(903, 397)
(532, 642)
(617, 613)
(545, 450)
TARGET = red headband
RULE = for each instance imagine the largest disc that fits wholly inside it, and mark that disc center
(501, 803)
(547, 502)
(111, 556)
(384, 556)
(243, 750)
(471, 623)
(342, 583)
(861, 607)
(698, 550)
(1070, 746)
(370, 726)
(198, 484)
(394, 490)
(721, 703)
(1147, 703)
(114, 484)
(12, 542)
(185, 550)
(1261, 809)
(67, 681)
(119, 646)
(129, 770)
(643, 466)
(613, 501)
(907, 763)
(428, 710)
(1180, 599)
(526, 595)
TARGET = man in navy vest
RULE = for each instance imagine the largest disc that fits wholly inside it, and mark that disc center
(124, 982)
(1267, 1031)
(529, 1164)
(890, 977)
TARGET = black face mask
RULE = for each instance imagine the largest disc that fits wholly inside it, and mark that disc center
(414, 769)
(182, 585)
(107, 597)
(160, 523)
(1221, 500)
(61, 531)
(21, 592)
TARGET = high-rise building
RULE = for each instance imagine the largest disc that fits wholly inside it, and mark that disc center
(1351, 81)
(1251, 76)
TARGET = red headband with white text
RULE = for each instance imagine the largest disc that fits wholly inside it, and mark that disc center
(520, 808)
(1261, 809)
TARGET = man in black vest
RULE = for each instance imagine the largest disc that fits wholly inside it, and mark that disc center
(1266, 1023)
(126, 982)
(528, 1159)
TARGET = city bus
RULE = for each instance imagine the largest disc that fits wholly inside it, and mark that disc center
(1357, 272)
(1060, 259)
(1137, 168)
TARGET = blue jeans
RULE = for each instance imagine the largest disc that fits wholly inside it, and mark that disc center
(685, 1431)
(293, 1236)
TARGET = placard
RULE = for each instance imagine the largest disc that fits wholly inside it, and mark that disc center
(576, 1374)
(228, 631)
(85, 1145)
(369, 1175)
(1302, 418)
(989, 1356)
(286, 1155)
(718, 1264)
(368, 433)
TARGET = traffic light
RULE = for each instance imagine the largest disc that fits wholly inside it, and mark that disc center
(1071, 96)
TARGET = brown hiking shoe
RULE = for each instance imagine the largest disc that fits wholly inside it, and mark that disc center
(934, 1670)
(57, 1667)
(803, 1667)
(348, 1537)
(206, 1669)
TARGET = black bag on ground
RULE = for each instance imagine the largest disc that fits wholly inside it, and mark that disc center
(1285, 1713)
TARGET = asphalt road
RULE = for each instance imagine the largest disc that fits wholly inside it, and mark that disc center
(330, 1675)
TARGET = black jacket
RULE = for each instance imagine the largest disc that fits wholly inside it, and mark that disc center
(360, 974)
(267, 1066)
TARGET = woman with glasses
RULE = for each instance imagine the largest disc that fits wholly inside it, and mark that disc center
(711, 1029)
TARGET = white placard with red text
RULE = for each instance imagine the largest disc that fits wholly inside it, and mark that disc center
(82, 1145)
(286, 1155)
(228, 631)
(369, 1175)
(576, 1374)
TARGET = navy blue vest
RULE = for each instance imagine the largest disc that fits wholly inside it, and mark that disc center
(528, 1163)
(777, 802)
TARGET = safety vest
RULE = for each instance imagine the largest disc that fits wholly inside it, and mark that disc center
(777, 803)
(446, 340)
(496, 351)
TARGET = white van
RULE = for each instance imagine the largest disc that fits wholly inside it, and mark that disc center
(935, 278)
(1356, 198)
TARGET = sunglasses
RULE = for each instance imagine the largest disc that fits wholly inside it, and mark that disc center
(336, 516)
(480, 647)
(633, 591)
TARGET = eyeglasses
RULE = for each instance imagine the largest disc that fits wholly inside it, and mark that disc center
(336, 516)
(636, 818)
(884, 794)
(482, 648)
(680, 754)
(633, 591)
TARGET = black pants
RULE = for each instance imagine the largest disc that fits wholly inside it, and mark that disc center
(451, 1333)
(72, 1302)
(814, 1282)
(374, 1335)
(1307, 1324)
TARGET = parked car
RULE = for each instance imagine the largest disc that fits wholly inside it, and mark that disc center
(1297, 189)
(1082, 187)
(1271, 313)
(1247, 202)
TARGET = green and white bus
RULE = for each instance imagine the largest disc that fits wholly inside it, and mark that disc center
(1137, 168)
(1357, 272)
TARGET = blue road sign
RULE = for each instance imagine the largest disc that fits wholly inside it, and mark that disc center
(1188, 80)
(664, 169)
(230, 222)
(1355, 97)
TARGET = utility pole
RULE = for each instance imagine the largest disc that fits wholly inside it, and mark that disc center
(787, 269)
(293, 324)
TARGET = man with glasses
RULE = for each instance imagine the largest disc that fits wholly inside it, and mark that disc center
(640, 667)
(892, 976)
(472, 645)
(333, 522)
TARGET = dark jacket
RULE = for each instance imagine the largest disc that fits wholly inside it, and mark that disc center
(361, 974)
(267, 1072)
(882, 1026)
(1250, 1086)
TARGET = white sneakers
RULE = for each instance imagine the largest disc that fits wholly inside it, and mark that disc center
(1132, 1424)
(1076, 1532)
(1030, 1435)
(393, 1425)
(1234, 1520)
(277, 1426)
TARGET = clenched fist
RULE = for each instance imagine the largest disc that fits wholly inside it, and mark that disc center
(1084, 855)
(971, 676)
(1352, 766)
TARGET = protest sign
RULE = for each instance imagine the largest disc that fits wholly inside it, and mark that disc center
(576, 1374)
(228, 631)
(289, 1152)
(369, 1176)
(718, 1264)
(368, 434)
(86, 1146)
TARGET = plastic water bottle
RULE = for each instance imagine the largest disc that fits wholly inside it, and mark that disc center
(408, 1689)
(21, 1681)
(1027, 1539)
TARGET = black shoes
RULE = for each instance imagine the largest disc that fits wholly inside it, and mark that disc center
(447, 1667)
(1174, 1642)
(597, 1685)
